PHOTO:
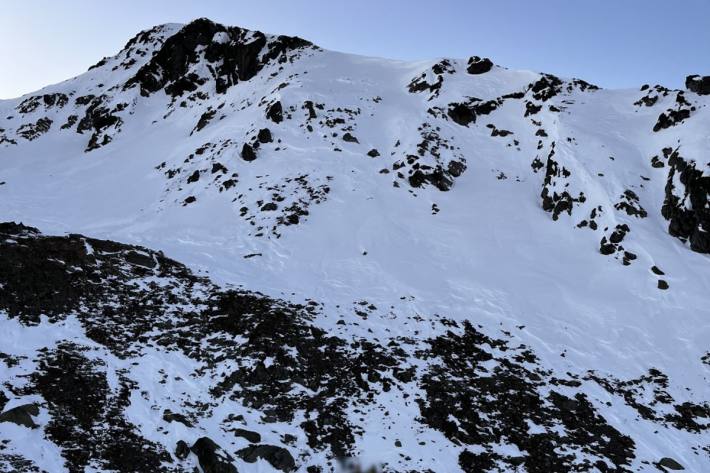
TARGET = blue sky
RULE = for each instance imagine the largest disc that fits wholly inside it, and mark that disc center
(613, 43)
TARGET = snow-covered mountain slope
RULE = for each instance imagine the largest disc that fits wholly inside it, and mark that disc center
(435, 266)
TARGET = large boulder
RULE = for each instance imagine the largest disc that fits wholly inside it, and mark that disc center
(698, 84)
(253, 437)
(275, 112)
(212, 458)
(170, 416)
(264, 136)
(248, 153)
(278, 457)
(350, 138)
(668, 463)
(182, 450)
(21, 415)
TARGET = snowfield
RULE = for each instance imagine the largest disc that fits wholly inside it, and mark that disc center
(436, 266)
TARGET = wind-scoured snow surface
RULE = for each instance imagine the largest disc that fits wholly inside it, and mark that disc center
(436, 266)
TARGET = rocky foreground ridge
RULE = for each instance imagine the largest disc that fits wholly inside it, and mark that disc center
(257, 368)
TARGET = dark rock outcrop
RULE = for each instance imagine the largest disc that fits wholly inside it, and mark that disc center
(629, 203)
(213, 459)
(31, 104)
(97, 119)
(467, 112)
(182, 450)
(471, 405)
(687, 208)
(478, 65)
(101, 289)
(546, 87)
(348, 137)
(194, 177)
(252, 437)
(278, 457)
(233, 54)
(698, 84)
(264, 136)
(436, 177)
(79, 398)
(668, 463)
(204, 120)
(670, 118)
(21, 415)
(32, 131)
(308, 105)
(421, 83)
(461, 114)
(676, 114)
(275, 112)
(71, 121)
(169, 416)
(456, 168)
(555, 176)
(248, 153)
(611, 245)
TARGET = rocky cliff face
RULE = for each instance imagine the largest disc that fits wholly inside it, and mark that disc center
(435, 266)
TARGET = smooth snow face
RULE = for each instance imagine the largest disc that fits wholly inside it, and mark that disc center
(485, 250)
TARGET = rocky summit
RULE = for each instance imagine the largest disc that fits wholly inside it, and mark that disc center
(226, 251)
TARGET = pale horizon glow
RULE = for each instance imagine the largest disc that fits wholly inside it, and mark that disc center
(610, 43)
